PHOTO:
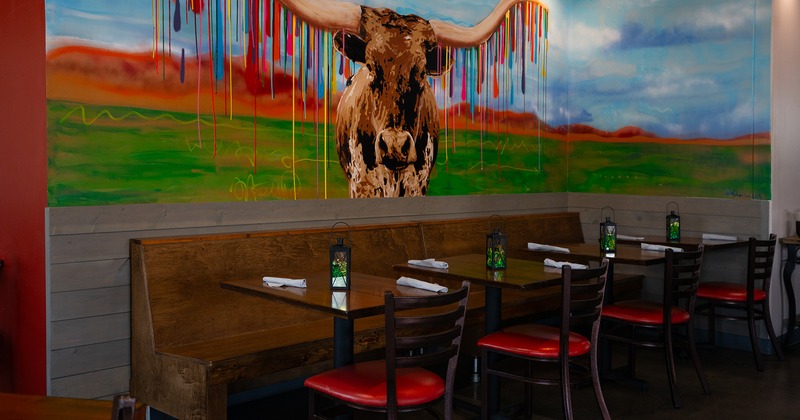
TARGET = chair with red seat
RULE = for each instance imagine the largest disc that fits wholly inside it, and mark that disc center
(582, 294)
(743, 301)
(421, 332)
(643, 323)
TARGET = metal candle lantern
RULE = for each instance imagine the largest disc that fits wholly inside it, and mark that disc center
(340, 265)
(496, 250)
(608, 233)
(673, 223)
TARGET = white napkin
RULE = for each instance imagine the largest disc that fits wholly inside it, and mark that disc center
(541, 247)
(280, 281)
(559, 264)
(630, 238)
(716, 237)
(430, 262)
(652, 247)
(419, 284)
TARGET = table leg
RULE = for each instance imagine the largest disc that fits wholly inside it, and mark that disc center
(791, 260)
(342, 341)
(605, 345)
(494, 312)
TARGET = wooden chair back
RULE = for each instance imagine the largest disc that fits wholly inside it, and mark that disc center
(424, 331)
(760, 256)
(681, 278)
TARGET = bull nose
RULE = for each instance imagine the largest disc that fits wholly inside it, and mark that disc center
(395, 148)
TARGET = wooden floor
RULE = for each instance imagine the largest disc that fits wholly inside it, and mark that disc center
(738, 392)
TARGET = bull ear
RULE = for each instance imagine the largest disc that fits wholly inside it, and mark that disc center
(437, 62)
(351, 46)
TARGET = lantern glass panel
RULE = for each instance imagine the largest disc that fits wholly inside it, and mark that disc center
(608, 236)
(496, 250)
(673, 227)
(340, 265)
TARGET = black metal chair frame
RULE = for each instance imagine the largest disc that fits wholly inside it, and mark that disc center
(760, 256)
(421, 331)
(681, 279)
(582, 295)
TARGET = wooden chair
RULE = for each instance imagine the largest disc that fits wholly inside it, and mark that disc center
(743, 302)
(582, 295)
(641, 323)
(421, 332)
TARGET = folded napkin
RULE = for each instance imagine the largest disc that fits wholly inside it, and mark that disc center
(541, 247)
(280, 281)
(419, 284)
(716, 237)
(430, 262)
(630, 238)
(559, 264)
(653, 247)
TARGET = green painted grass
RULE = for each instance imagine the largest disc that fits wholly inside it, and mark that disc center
(105, 156)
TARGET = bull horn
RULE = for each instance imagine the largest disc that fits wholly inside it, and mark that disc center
(332, 15)
(458, 36)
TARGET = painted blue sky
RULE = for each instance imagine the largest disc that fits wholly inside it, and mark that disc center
(677, 68)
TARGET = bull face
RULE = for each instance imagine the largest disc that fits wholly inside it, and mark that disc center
(387, 122)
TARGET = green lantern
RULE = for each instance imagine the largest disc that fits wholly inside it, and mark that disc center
(496, 250)
(340, 265)
(673, 223)
(608, 233)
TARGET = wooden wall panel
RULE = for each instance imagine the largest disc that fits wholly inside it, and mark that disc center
(89, 271)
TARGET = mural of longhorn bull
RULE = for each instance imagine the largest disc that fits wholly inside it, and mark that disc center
(387, 123)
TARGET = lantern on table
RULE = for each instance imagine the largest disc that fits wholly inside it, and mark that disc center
(496, 250)
(608, 233)
(340, 264)
(673, 223)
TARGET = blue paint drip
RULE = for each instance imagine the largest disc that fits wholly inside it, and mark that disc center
(183, 64)
(176, 21)
(219, 47)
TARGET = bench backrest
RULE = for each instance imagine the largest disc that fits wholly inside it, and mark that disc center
(179, 278)
(177, 298)
(468, 236)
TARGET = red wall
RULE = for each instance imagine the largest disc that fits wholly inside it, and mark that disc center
(23, 197)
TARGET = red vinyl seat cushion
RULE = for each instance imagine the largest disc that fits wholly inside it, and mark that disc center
(733, 292)
(643, 312)
(534, 340)
(365, 383)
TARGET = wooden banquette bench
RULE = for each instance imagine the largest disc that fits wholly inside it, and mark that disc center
(193, 342)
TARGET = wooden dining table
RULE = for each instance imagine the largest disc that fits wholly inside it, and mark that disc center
(365, 298)
(685, 242)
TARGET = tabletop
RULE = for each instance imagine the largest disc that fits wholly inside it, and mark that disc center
(519, 274)
(365, 297)
(686, 241)
(581, 252)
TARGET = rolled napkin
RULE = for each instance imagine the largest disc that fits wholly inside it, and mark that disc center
(430, 262)
(419, 284)
(280, 281)
(541, 247)
(559, 264)
(630, 238)
(716, 237)
(662, 248)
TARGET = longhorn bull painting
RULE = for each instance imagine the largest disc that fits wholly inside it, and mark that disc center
(387, 124)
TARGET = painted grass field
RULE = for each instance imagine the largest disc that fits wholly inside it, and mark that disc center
(106, 156)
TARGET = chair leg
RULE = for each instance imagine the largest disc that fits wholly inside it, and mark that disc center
(485, 409)
(671, 373)
(771, 331)
(311, 410)
(712, 324)
(566, 389)
(598, 391)
(751, 326)
(696, 358)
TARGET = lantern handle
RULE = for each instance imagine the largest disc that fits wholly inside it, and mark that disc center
(613, 216)
(349, 235)
(678, 209)
(496, 225)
